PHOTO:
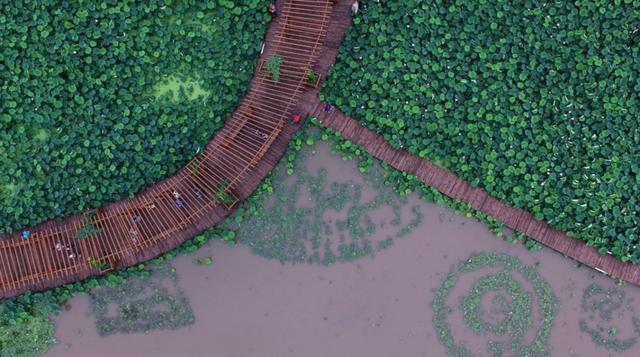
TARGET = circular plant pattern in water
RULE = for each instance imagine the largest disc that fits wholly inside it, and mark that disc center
(502, 307)
(610, 318)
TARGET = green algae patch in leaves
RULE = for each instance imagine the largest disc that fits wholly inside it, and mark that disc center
(609, 318)
(535, 102)
(175, 89)
(99, 99)
(509, 307)
(143, 304)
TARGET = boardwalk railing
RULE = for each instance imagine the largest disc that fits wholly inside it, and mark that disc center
(198, 195)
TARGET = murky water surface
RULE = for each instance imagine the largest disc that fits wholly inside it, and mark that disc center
(381, 304)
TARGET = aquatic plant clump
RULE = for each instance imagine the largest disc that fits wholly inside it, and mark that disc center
(279, 224)
(99, 99)
(143, 304)
(610, 318)
(510, 318)
(536, 102)
(272, 65)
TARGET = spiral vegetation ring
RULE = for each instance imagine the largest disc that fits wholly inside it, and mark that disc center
(605, 311)
(509, 325)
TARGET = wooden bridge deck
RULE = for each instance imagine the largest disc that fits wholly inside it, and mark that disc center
(454, 187)
(235, 161)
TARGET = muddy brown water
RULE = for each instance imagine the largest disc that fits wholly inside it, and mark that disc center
(246, 305)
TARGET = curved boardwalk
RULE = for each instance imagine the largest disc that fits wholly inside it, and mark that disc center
(454, 187)
(203, 192)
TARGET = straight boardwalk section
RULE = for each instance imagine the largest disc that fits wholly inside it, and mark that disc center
(199, 195)
(454, 187)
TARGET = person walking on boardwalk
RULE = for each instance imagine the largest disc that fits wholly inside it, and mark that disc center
(261, 134)
(328, 108)
(179, 201)
(72, 253)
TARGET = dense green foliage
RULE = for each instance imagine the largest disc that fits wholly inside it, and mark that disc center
(32, 337)
(98, 99)
(536, 102)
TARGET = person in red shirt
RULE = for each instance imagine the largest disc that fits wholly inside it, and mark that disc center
(296, 118)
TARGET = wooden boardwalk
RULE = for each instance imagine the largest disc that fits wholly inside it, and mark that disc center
(454, 187)
(203, 192)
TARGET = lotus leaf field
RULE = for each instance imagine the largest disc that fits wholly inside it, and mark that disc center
(534, 101)
(99, 99)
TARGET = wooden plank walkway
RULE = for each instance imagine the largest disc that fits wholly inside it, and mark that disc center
(203, 192)
(454, 187)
